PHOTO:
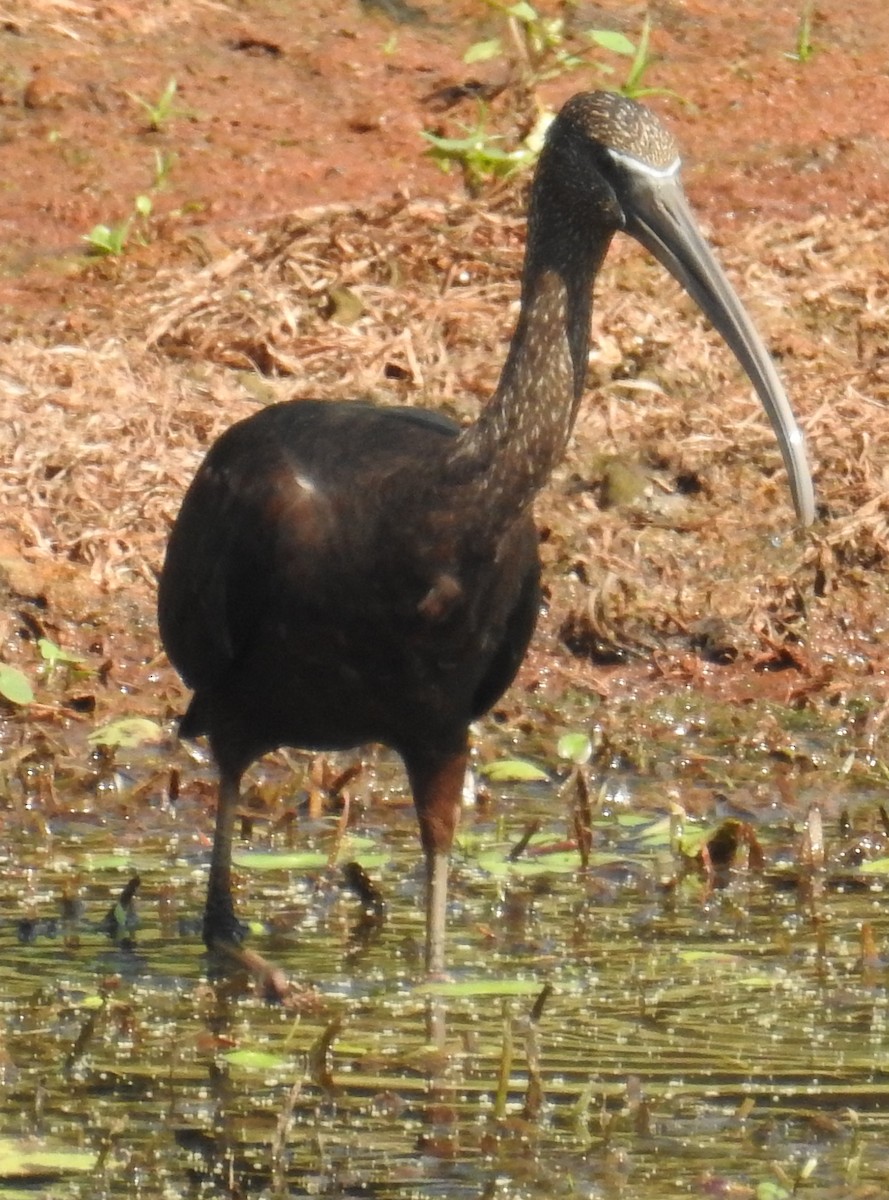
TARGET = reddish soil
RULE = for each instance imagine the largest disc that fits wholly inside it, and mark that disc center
(275, 111)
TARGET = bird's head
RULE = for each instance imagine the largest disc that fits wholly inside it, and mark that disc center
(611, 164)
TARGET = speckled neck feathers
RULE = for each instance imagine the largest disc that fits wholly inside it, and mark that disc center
(510, 452)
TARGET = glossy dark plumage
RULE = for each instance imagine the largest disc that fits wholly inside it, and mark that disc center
(317, 579)
(341, 573)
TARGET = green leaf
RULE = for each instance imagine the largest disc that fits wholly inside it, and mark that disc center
(694, 839)
(640, 63)
(483, 51)
(523, 12)
(496, 864)
(480, 987)
(771, 1191)
(576, 747)
(23, 1159)
(127, 732)
(477, 143)
(876, 866)
(285, 860)
(561, 862)
(514, 770)
(716, 957)
(142, 205)
(608, 39)
(302, 860)
(111, 860)
(257, 1060)
(105, 239)
(100, 236)
(53, 654)
(168, 95)
(656, 833)
(14, 685)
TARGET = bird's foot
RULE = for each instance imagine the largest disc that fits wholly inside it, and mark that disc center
(223, 937)
(270, 981)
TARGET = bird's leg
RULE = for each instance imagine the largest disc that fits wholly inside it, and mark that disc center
(437, 869)
(223, 931)
(220, 923)
(438, 790)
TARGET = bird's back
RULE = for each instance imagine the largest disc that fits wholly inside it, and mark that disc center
(324, 586)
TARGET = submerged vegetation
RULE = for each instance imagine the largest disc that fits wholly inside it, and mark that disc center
(696, 1005)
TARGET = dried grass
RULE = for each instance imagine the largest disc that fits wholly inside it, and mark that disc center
(105, 434)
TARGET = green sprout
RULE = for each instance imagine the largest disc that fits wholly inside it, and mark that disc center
(479, 155)
(53, 654)
(642, 60)
(164, 109)
(111, 240)
(164, 162)
(805, 47)
(538, 43)
(108, 240)
(61, 663)
(538, 48)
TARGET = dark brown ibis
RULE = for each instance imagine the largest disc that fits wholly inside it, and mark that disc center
(341, 573)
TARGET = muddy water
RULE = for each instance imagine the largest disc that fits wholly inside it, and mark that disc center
(702, 1037)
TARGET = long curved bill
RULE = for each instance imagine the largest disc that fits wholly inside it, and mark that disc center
(658, 215)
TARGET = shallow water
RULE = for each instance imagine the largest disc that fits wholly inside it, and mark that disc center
(698, 1040)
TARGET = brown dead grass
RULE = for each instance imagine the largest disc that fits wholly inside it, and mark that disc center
(106, 432)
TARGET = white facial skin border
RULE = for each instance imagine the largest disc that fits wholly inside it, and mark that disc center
(644, 168)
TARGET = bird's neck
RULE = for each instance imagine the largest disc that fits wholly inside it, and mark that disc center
(507, 456)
